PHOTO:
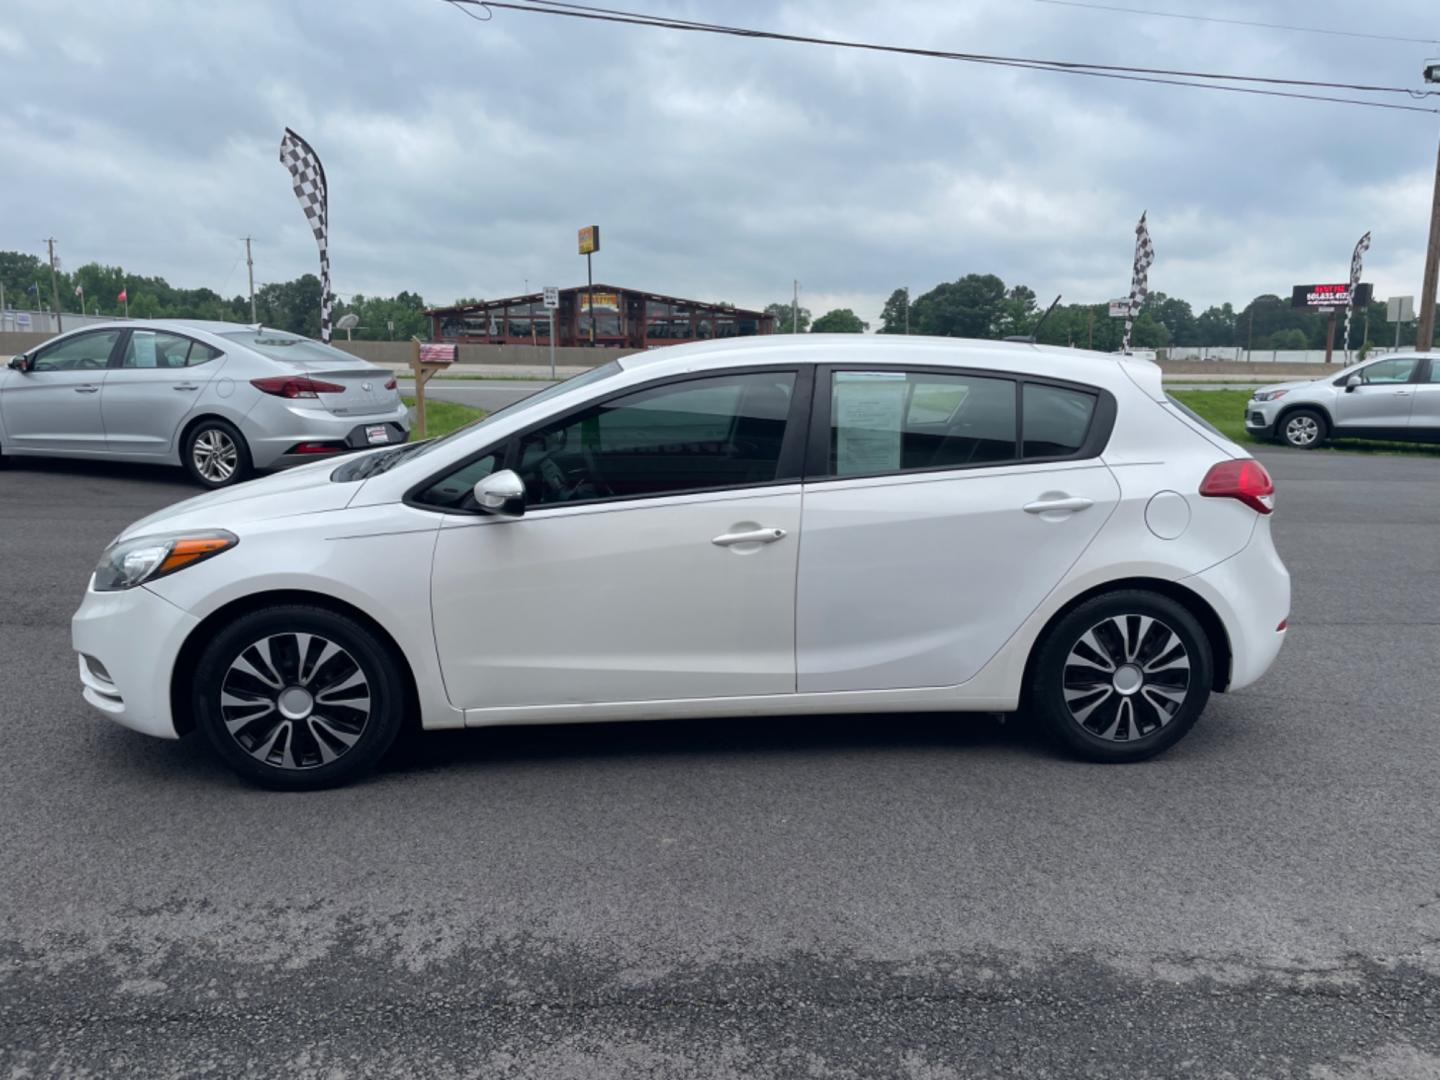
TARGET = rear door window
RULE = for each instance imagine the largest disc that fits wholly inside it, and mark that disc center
(1056, 420)
(902, 421)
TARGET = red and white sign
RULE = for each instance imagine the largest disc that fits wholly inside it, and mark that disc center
(437, 354)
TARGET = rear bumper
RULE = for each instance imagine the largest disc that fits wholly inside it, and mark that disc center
(1250, 591)
(275, 428)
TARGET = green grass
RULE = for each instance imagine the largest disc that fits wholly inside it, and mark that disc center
(443, 417)
(1226, 410)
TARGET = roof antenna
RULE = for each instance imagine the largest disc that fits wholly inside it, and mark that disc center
(1029, 338)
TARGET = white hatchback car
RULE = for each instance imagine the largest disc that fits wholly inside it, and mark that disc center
(771, 525)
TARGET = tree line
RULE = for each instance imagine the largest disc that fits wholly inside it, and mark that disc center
(975, 306)
(284, 305)
(982, 306)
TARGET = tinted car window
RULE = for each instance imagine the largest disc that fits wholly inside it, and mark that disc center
(153, 349)
(895, 421)
(1056, 420)
(84, 352)
(201, 354)
(704, 433)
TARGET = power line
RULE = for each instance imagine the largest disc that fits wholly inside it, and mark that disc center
(1163, 76)
(1242, 22)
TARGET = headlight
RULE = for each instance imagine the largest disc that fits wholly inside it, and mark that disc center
(1269, 395)
(128, 563)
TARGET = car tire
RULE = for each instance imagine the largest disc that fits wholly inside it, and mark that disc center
(298, 698)
(215, 454)
(1304, 429)
(1122, 677)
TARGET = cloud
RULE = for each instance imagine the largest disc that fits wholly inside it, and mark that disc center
(462, 156)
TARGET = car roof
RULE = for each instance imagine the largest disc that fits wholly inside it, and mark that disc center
(1054, 361)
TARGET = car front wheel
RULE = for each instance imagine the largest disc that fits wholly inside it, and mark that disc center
(298, 698)
(1122, 677)
(1304, 429)
(216, 454)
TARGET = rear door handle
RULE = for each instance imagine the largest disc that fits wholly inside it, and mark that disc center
(1069, 503)
(749, 536)
(89, 388)
(1402, 393)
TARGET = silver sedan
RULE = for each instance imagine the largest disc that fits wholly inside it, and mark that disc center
(221, 399)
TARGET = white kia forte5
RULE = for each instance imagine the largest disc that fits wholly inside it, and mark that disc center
(761, 526)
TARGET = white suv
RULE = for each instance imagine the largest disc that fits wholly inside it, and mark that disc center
(761, 526)
(1396, 397)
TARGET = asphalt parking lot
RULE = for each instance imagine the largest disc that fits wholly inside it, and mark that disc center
(930, 897)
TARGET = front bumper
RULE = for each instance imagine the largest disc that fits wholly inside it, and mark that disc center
(275, 430)
(1260, 417)
(128, 642)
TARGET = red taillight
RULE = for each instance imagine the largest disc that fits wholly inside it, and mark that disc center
(295, 386)
(390, 384)
(1242, 478)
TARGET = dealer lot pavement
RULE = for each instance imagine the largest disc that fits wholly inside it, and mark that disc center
(862, 896)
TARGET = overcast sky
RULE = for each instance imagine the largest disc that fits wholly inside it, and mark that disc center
(462, 155)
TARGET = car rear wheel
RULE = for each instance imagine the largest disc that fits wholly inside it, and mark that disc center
(298, 698)
(1304, 429)
(216, 454)
(1122, 677)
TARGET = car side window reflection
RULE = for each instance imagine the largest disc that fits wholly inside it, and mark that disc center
(1398, 370)
(151, 349)
(85, 352)
(704, 433)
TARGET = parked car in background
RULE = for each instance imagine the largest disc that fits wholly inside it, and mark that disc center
(756, 526)
(1394, 397)
(219, 398)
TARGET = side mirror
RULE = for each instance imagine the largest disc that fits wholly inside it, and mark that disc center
(501, 494)
(20, 363)
(1352, 382)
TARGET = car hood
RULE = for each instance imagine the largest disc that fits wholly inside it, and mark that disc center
(306, 489)
(1295, 384)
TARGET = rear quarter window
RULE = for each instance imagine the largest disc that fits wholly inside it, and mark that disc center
(1056, 420)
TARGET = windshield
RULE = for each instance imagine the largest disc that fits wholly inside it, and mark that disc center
(376, 463)
(283, 345)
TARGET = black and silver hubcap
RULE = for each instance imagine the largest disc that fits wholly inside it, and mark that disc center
(1126, 677)
(215, 455)
(295, 701)
(1302, 430)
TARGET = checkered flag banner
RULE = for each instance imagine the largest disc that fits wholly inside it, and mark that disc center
(1139, 278)
(1357, 260)
(309, 175)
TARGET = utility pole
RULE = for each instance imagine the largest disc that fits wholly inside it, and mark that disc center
(1425, 328)
(250, 266)
(55, 288)
(1250, 333)
(907, 309)
(795, 309)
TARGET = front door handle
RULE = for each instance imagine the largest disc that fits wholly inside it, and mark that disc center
(1069, 503)
(89, 388)
(749, 536)
(1402, 393)
(185, 386)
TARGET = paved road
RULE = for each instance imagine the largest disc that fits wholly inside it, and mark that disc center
(927, 897)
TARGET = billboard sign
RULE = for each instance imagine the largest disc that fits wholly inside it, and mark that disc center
(1329, 296)
(589, 239)
(1400, 309)
(1120, 309)
(604, 301)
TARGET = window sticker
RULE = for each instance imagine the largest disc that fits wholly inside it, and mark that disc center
(142, 348)
(869, 409)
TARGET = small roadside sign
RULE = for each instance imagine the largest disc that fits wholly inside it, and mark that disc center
(1120, 309)
(1399, 309)
(552, 297)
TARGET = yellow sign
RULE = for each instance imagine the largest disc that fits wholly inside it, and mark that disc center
(589, 239)
(603, 301)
